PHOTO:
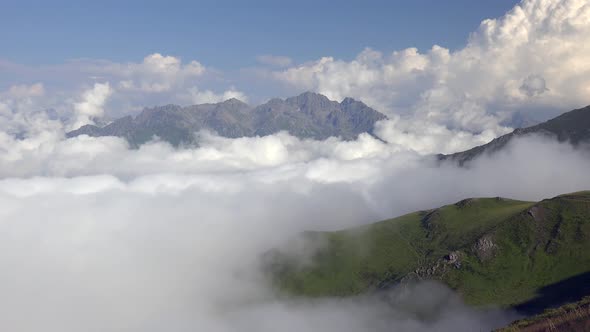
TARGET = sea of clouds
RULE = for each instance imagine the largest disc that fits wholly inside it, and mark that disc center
(95, 236)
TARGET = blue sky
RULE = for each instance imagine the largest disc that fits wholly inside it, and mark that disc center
(117, 58)
(230, 34)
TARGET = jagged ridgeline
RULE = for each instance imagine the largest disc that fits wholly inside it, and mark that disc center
(491, 250)
(309, 115)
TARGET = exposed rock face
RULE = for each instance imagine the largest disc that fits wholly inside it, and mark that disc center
(573, 126)
(454, 257)
(308, 115)
(435, 270)
(484, 248)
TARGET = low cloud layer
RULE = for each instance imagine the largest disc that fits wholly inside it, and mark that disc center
(94, 235)
(97, 237)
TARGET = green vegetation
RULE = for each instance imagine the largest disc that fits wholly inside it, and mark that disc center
(491, 250)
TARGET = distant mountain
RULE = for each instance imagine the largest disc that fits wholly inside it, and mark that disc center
(309, 115)
(494, 251)
(573, 126)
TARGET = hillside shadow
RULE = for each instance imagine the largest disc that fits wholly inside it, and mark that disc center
(569, 290)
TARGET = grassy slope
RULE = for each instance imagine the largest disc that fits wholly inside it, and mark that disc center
(527, 252)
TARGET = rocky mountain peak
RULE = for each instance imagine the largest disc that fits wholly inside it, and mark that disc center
(310, 100)
(308, 115)
(234, 102)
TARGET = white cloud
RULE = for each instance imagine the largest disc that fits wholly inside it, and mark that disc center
(534, 58)
(156, 80)
(196, 96)
(91, 104)
(157, 73)
(428, 137)
(23, 113)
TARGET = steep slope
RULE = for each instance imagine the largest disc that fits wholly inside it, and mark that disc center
(573, 126)
(491, 250)
(308, 115)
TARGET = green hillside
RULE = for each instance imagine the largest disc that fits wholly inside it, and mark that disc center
(491, 250)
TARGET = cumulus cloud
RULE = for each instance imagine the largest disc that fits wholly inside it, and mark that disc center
(157, 73)
(157, 79)
(22, 114)
(91, 105)
(505, 67)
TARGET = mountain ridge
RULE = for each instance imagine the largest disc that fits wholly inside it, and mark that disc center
(308, 115)
(572, 126)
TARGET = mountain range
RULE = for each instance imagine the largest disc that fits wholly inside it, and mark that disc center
(309, 115)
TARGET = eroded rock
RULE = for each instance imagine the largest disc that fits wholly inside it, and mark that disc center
(485, 248)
